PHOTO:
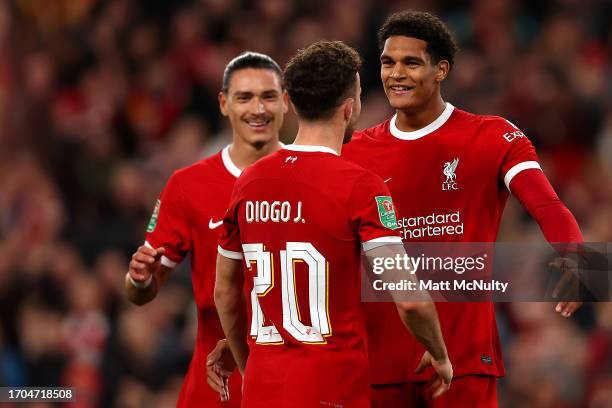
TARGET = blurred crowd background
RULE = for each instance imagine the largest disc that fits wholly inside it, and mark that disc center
(101, 100)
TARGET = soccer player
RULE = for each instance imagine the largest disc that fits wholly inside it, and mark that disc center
(188, 215)
(459, 167)
(299, 218)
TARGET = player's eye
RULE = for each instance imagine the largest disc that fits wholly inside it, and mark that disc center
(387, 63)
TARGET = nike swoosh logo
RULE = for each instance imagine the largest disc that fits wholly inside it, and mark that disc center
(389, 179)
(213, 225)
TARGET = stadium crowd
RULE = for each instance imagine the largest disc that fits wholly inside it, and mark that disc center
(101, 100)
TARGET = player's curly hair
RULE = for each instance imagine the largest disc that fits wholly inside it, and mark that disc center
(423, 26)
(320, 77)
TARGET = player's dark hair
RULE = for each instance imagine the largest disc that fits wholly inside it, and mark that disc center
(249, 59)
(320, 77)
(423, 26)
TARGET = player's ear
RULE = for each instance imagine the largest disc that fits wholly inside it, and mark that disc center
(443, 69)
(222, 97)
(348, 109)
(286, 102)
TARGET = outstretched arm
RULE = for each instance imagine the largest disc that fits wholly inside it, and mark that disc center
(534, 192)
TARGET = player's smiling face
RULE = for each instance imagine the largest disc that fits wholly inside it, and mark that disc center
(255, 104)
(409, 77)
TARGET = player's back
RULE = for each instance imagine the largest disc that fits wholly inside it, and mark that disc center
(301, 226)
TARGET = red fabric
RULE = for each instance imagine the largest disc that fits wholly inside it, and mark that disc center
(486, 148)
(468, 209)
(472, 391)
(532, 189)
(294, 360)
(193, 198)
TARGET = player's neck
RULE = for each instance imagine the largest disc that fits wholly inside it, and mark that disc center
(244, 154)
(319, 134)
(411, 120)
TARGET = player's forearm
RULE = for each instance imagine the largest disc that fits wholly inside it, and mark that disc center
(232, 314)
(230, 304)
(421, 319)
(140, 296)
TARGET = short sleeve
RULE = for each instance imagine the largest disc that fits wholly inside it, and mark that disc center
(372, 212)
(169, 225)
(519, 152)
(229, 239)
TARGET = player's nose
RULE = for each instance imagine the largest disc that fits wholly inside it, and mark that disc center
(259, 107)
(398, 72)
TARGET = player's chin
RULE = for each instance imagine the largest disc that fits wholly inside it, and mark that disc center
(400, 101)
(261, 138)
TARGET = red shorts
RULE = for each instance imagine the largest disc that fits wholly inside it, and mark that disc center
(470, 391)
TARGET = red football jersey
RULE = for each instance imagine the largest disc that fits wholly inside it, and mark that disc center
(449, 183)
(299, 217)
(187, 219)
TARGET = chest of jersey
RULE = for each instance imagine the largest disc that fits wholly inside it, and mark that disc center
(445, 186)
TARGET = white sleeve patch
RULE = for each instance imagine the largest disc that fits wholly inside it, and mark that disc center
(516, 169)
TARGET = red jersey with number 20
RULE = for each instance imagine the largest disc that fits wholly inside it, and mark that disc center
(449, 183)
(187, 220)
(299, 218)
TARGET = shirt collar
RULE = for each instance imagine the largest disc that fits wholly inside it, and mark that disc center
(310, 148)
(424, 131)
(228, 163)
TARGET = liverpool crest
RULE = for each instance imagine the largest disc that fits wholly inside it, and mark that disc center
(451, 178)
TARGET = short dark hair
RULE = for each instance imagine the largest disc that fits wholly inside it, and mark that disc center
(423, 26)
(249, 59)
(318, 78)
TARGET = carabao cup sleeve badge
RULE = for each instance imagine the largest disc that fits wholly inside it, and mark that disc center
(154, 216)
(386, 211)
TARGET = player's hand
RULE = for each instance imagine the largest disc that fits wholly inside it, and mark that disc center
(219, 366)
(444, 373)
(145, 263)
(568, 286)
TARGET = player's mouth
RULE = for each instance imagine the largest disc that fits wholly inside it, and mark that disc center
(258, 125)
(400, 90)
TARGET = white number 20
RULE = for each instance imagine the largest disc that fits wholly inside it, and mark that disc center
(263, 282)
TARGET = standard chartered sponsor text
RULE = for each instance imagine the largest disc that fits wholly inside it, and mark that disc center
(431, 225)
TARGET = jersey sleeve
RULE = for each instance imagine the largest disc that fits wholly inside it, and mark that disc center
(169, 225)
(534, 192)
(519, 154)
(372, 212)
(229, 239)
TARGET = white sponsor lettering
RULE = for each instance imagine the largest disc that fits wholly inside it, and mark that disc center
(432, 225)
(511, 136)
